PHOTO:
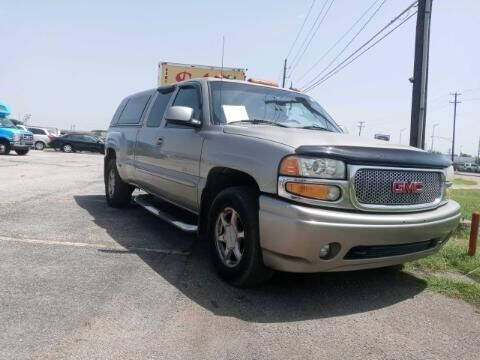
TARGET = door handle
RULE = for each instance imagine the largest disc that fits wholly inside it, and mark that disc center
(160, 141)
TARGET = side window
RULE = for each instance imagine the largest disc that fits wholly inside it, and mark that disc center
(158, 109)
(189, 96)
(35, 131)
(134, 110)
(89, 138)
(118, 112)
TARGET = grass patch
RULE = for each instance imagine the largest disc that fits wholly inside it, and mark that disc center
(458, 289)
(452, 257)
(460, 181)
(469, 200)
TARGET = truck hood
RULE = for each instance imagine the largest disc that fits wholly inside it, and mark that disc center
(13, 131)
(304, 137)
(348, 148)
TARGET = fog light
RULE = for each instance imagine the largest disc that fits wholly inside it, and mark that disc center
(324, 251)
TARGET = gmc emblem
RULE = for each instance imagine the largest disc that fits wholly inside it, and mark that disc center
(403, 187)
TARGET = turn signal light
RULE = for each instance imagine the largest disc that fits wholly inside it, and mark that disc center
(314, 191)
(290, 166)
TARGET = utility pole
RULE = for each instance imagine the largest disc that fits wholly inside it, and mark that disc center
(284, 72)
(420, 74)
(478, 152)
(360, 127)
(454, 102)
(433, 135)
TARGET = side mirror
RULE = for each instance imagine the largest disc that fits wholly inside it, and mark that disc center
(344, 129)
(181, 115)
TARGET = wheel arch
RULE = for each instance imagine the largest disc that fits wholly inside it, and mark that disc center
(219, 179)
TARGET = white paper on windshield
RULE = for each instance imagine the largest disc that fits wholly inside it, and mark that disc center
(235, 113)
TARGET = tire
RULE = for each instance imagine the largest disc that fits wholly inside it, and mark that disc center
(67, 148)
(4, 147)
(39, 146)
(237, 259)
(22, 152)
(117, 192)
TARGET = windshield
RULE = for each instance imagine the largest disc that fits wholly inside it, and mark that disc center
(240, 103)
(5, 123)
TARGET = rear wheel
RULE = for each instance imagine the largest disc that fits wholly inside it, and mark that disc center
(67, 148)
(39, 145)
(118, 192)
(22, 152)
(4, 147)
(233, 234)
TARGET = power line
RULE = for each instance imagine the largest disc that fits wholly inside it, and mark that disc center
(309, 32)
(295, 63)
(340, 65)
(343, 65)
(348, 44)
(301, 28)
(346, 61)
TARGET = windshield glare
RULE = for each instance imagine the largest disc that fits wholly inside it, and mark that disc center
(234, 102)
(5, 123)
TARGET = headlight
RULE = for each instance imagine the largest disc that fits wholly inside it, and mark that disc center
(450, 175)
(323, 168)
(16, 137)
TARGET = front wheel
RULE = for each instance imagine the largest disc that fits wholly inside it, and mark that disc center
(67, 148)
(233, 233)
(118, 192)
(4, 147)
(21, 152)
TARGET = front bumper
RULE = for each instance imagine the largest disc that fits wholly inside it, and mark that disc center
(291, 235)
(21, 145)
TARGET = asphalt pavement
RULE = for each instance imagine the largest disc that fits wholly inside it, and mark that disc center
(80, 280)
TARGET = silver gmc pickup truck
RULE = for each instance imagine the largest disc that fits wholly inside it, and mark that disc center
(269, 179)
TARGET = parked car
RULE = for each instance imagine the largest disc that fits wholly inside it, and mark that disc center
(41, 137)
(13, 138)
(467, 167)
(273, 183)
(78, 142)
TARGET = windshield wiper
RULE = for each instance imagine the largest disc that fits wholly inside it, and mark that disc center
(315, 127)
(259, 121)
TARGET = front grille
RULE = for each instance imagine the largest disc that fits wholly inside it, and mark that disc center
(371, 252)
(374, 187)
(28, 137)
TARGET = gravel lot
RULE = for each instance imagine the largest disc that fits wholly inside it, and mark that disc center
(80, 280)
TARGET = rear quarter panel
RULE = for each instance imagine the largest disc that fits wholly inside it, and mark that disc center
(122, 139)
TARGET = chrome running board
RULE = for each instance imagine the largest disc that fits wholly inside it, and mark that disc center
(143, 201)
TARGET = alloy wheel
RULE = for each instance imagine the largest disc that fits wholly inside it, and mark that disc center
(111, 182)
(229, 237)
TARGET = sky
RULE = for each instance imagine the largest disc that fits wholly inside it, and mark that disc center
(70, 63)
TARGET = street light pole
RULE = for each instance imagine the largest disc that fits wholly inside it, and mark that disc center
(433, 135)
(401, 131)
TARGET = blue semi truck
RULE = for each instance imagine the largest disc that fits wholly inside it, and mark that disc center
(11, 137)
